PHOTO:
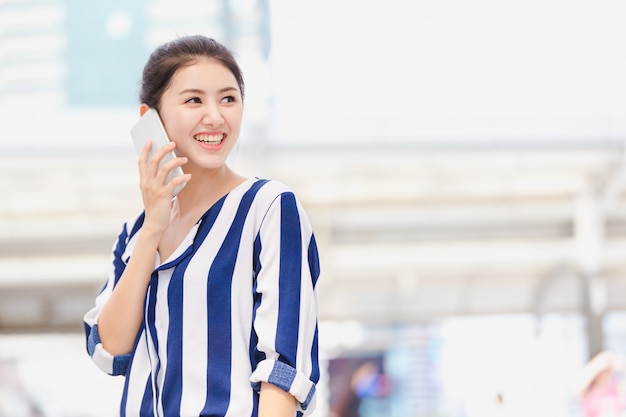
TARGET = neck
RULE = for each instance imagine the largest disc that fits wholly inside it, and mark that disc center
(206, 187)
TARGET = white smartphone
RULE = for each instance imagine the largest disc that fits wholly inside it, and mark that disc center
(150, 127)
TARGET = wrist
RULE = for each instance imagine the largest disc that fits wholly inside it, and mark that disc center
(151, 232)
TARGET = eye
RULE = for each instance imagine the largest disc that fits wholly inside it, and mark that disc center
(194, 100)
(229, 99)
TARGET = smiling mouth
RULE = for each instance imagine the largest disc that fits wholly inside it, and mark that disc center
(210, 139)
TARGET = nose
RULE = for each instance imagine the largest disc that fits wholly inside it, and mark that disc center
(212, 115)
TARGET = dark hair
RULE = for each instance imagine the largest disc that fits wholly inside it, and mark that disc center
(169, 57)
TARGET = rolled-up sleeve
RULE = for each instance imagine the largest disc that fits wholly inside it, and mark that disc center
(285, 322)
(112, 365)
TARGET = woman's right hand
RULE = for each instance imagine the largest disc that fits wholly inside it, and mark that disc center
(156, 193)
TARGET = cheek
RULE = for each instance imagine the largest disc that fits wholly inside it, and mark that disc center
(177, 125)
(235, 120)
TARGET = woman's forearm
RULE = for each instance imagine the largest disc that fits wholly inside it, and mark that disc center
(123, 312)
(275, 402)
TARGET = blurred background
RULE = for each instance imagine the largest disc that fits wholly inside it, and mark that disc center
(462, 162)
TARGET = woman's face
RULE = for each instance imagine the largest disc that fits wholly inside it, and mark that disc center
(202, 111)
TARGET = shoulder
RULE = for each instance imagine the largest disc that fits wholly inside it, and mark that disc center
(271, 192)
(268, 188)
(133, 224)
(279, 199)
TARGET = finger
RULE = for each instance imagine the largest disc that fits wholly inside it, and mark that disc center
(159, 154)
(143, 156)
(154, 161)
(168, 166)
(165, 170)
(176, 181)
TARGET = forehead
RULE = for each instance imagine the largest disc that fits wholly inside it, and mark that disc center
(205, 73)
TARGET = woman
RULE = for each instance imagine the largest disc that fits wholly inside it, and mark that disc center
(210, 308)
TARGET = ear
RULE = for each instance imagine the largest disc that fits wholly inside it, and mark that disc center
(143, 109)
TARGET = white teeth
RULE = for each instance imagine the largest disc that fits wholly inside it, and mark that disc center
(210, 139)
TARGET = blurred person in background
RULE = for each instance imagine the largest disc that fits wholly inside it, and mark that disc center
(211, 303)
(365, 382)
(601, 390)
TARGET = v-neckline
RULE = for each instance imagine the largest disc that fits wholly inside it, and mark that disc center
(191, 234)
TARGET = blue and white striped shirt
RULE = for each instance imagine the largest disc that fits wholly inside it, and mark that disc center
(235, 305)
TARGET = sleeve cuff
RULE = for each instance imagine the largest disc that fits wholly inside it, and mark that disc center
(112, 365)
(288, 379)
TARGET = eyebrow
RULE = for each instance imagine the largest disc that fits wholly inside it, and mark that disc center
(199, 91)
